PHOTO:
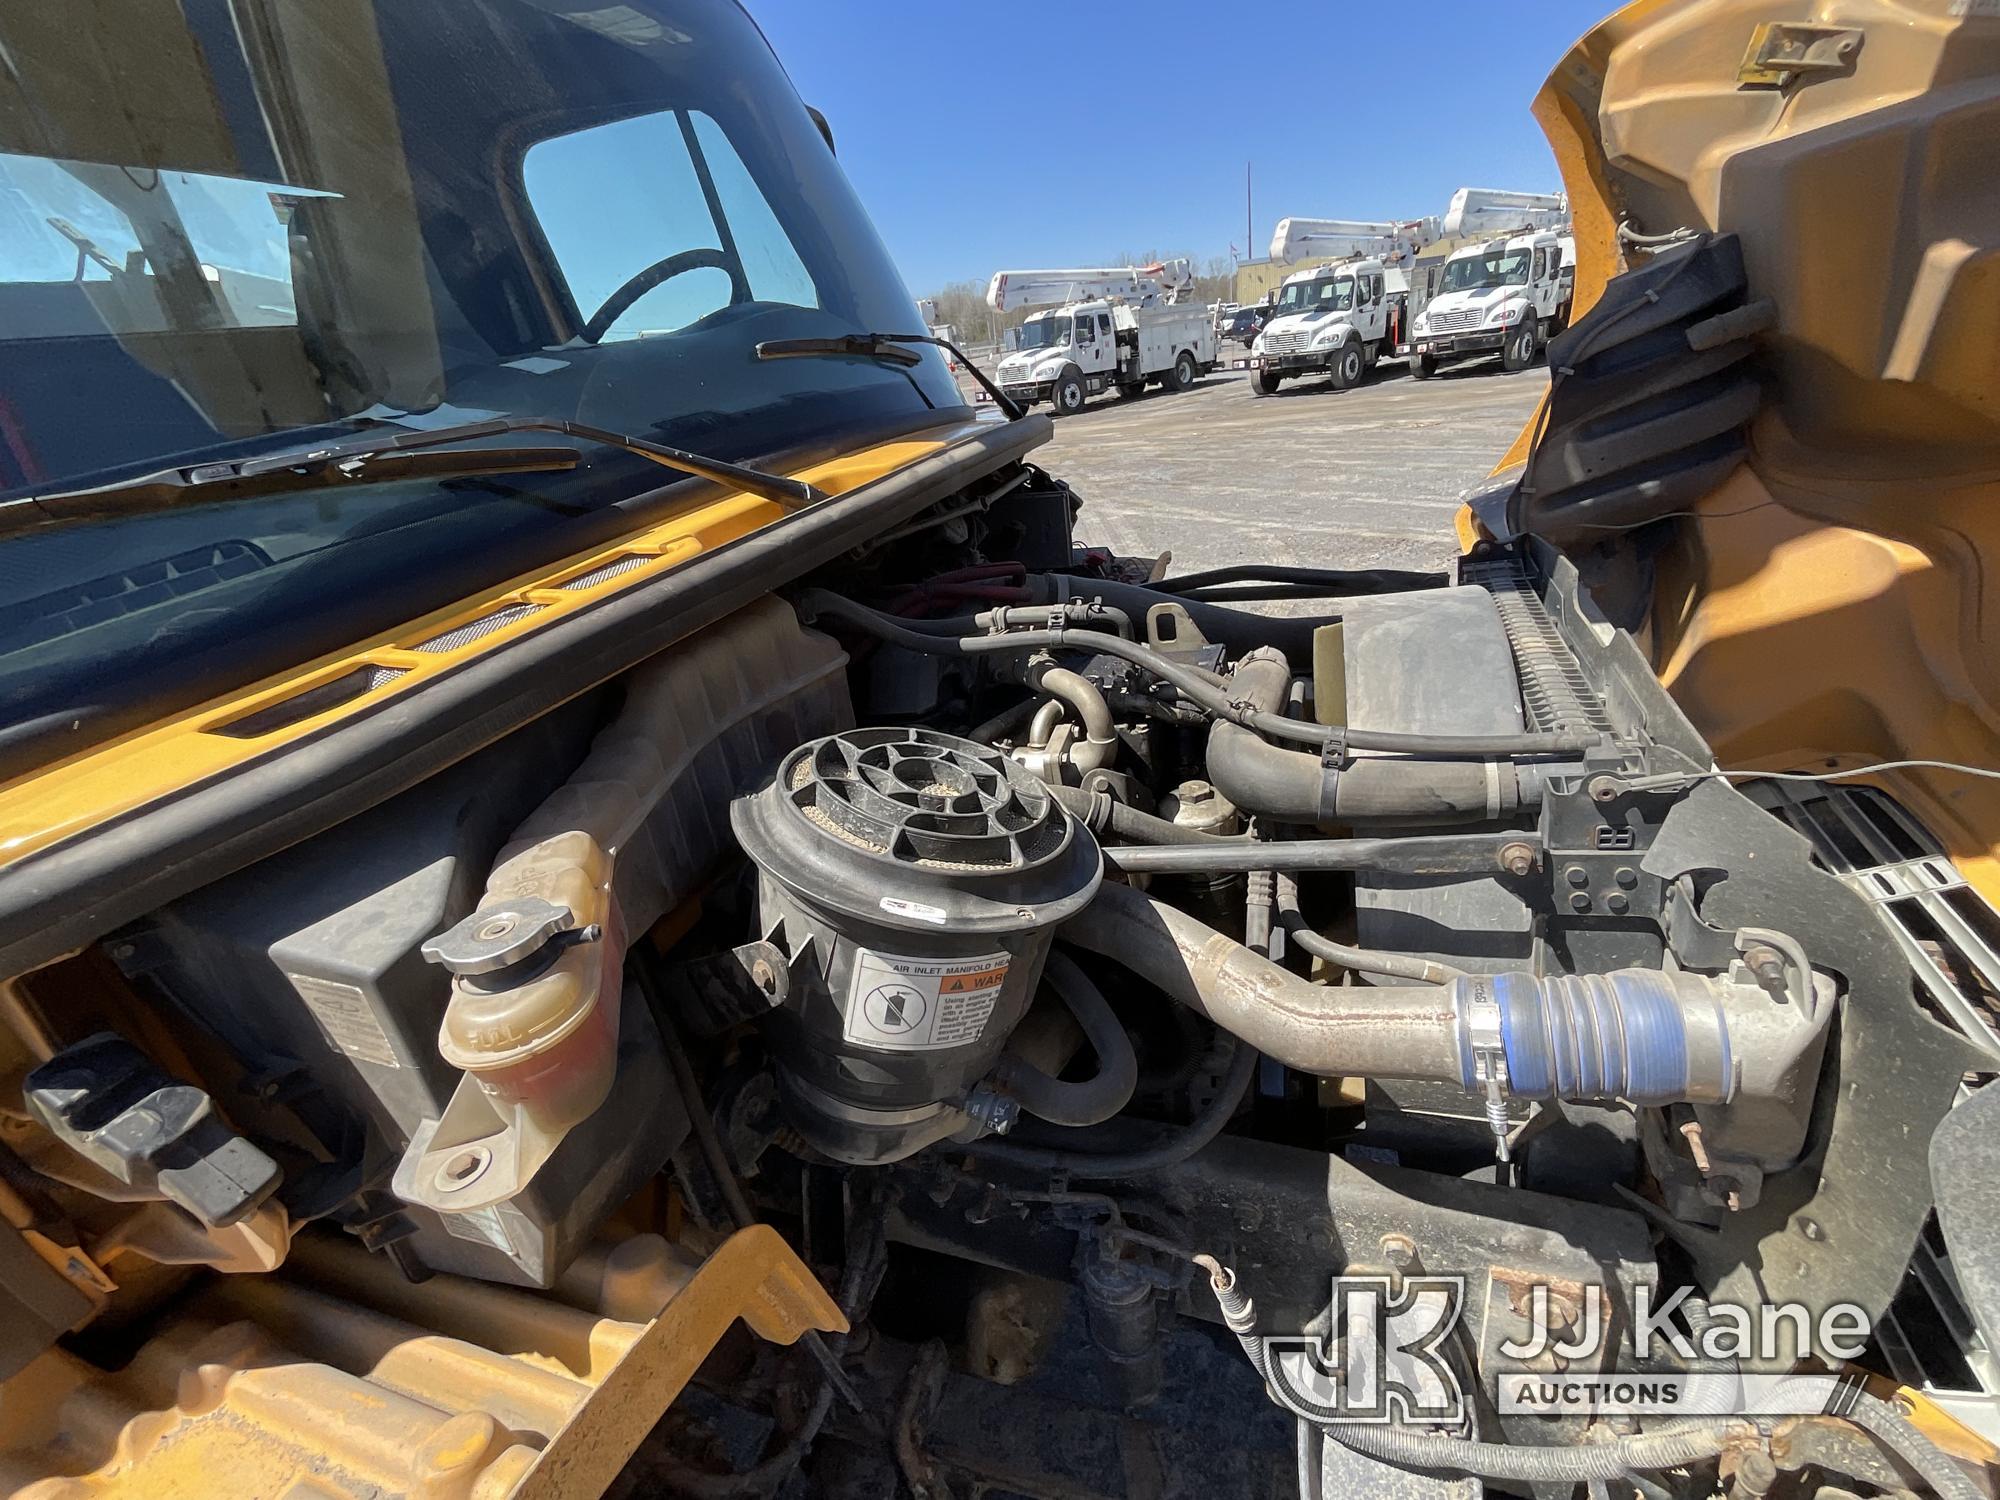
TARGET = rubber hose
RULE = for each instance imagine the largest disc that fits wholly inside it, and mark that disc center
(1195, 684)
(1090, 1101)
(1682, 1443)
(1568, 1465)
(1176, 1148)
(1332, 580)
(1458, 854)
(1380, 1032)
(1004, 722)
(1900, 1436)
(1101, 812)
(1260, 892)
(1100, 734)
(1716, 1387)
(1289, 786)
(1235, 630)
(1361, 960)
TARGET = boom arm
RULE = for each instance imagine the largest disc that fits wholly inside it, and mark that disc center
(1395, 243)
(1162, 281)
(1476, 211)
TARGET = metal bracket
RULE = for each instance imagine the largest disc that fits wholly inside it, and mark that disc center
(1785, 52)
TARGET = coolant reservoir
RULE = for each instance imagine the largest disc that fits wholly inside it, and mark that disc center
(529, 1019)
(913, 882)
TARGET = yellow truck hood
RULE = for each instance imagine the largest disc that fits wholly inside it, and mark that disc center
(1833, 599)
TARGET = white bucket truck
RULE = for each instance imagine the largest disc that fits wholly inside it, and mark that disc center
(1506, 296)
(1116, 326)
(1336, 319)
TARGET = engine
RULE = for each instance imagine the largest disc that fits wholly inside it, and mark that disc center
(1311, 921)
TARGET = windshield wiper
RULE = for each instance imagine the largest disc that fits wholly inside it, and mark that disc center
(887, 346)
(376, 458)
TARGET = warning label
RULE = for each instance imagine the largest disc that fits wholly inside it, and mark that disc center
(346, 1017)
(921, 1004)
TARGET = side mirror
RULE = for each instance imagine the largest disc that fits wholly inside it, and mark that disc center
(825, 130)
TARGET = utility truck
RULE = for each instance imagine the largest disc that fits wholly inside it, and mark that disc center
(1336, 318)
(1116, 326)
(1506, 296)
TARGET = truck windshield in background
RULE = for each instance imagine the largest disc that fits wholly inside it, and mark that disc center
(1489, 268)
(222, 239)
(1044, 333)
(1328, 294)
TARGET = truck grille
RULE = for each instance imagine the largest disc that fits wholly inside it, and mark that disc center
(1456, 320)
(1949, 934)
(1286, 343)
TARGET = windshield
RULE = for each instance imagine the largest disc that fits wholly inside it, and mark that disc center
(228, 230)
(1044, 333)
(1487, 268)
(1325, 294)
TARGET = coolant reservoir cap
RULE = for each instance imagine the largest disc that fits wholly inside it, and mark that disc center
(915, 828)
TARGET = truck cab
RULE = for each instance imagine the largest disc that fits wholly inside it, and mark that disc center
(1507, 296)
(1333, 319)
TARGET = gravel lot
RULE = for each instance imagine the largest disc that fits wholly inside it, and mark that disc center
(1363, 478)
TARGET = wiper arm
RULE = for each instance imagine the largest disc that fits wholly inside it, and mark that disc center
(379, 457)
(887, 346)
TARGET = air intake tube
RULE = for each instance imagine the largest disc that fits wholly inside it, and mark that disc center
(1636, 1034)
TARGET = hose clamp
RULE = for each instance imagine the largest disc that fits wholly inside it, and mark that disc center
(1487, 1043)
(1333, 759)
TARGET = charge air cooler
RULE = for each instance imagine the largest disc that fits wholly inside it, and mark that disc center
(912, 882)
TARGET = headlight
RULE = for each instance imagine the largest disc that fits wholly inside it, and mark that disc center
(1505, 313)
(1423, 322)
(1325, 337)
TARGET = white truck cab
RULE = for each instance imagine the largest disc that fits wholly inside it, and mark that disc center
(1507, 296)
(1335, 320)
(1123, 338)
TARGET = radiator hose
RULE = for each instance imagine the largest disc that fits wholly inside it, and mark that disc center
(1293, 786)
(1089, 1101)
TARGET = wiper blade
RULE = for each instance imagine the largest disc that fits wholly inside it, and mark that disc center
(380, 457)
(202, 484)
(887, 346)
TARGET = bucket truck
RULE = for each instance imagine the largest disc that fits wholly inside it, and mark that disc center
(1122, 326)
(1336, 318)
(1508, 296)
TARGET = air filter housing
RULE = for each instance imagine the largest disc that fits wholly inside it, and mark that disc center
(913, 880)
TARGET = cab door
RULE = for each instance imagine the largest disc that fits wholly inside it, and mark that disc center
(1096, 349)
(1372, 306)
(1542, 278)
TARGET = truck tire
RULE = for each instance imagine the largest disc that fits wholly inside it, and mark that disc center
(1349, 364)
(1423, 366)
(1184, 372)
(1519, 350)
(1264, 382)
(1066, 396)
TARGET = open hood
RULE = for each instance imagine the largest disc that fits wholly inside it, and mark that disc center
(1772, 444)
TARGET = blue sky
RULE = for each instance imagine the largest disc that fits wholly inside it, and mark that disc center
(1111, 147)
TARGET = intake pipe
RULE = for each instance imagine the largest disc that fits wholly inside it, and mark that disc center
(1291, 786)
(1636, 1034)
